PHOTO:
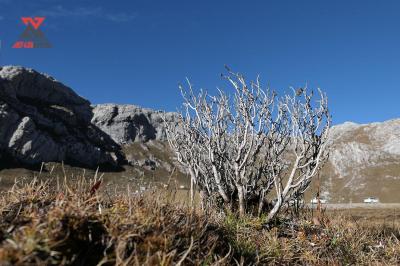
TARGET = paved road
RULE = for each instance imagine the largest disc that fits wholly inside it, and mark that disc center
(358, 205)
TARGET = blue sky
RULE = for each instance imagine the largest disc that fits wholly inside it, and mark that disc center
(138, 51)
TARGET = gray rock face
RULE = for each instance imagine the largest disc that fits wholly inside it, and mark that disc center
(42, 120)
(364, 161)
(129, 123)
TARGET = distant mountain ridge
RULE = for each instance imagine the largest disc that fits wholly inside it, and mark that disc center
(364, 161)
(127, 123)
(43, 120)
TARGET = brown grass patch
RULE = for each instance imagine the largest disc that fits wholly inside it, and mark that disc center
(77, 223)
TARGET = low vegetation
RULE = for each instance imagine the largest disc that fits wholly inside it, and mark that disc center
(88, 223)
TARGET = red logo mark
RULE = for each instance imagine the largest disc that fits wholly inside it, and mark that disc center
(35, 22)
(32, 36)
(21, 44)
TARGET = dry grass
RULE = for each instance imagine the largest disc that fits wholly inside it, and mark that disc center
(84, 223)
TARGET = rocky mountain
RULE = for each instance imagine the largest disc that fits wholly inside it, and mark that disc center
(42, 120)
(364, 161)
(126, 124)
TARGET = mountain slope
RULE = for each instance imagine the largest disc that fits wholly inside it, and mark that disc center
(364, 161)
(42, 120)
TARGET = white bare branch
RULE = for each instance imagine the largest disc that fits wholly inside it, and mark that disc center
(244, 149)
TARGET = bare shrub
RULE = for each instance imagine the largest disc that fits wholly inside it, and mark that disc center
(252, 151)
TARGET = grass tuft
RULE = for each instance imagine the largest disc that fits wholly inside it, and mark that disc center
(84, 223)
